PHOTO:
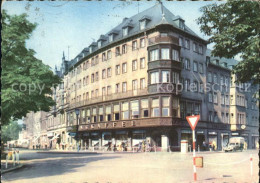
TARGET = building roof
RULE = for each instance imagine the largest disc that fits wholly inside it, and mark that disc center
(156, 15)
(230, 62)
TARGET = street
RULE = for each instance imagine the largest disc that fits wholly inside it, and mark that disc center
(133, 167)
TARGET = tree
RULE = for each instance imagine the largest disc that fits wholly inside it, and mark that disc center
(234, 28)
(10, 131)
(26, 82)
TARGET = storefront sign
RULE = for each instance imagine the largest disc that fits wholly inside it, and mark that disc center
(235, 134)
(255, 135)
(212, 133)
(244, 134)
(224, 133)
(200, 132)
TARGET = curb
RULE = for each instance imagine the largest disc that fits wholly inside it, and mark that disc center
(64, 152)
(11, 169)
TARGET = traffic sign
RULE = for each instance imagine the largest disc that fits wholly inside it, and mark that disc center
(193, 120)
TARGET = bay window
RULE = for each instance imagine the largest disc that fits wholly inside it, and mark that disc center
(165, 76)
(165, 53)
(154, 55)
(175, 55)
(154, 77)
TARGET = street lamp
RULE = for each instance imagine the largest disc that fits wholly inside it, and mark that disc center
(77, 127)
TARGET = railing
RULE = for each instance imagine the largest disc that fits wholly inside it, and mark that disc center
(114, 96)
(166, 39)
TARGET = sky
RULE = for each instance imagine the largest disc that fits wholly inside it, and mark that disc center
(70, 26)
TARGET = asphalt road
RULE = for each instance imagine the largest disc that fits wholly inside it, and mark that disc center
(133, 168)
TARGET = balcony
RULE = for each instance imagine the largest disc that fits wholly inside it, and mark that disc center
(114, 96)
(166, 39)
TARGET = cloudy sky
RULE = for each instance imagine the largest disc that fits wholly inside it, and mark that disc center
(71, 26)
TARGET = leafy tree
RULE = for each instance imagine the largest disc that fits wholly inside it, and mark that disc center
(234, 28)
(10, 131)
(21, 71)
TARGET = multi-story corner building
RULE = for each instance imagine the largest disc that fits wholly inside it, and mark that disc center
(138, 82)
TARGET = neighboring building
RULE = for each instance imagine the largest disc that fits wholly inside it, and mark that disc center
(139, 82)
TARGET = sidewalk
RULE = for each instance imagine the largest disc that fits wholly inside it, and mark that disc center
(10, 167)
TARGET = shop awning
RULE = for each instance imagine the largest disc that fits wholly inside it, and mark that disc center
(72, 134)
(55, 137)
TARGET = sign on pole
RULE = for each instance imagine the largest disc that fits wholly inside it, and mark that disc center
(193, 121)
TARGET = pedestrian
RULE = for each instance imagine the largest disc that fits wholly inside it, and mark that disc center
(114, 149)
(50, 144)
(204, 145)
(139, 147)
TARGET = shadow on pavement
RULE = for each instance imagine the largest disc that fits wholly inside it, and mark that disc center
(52, 167)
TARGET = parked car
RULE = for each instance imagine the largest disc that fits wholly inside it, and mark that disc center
(235, 144)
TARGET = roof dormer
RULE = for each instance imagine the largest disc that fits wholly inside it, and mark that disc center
(144, 21)
(127, 27)
(92, 46)
(111, 35)
(180, 22)
(100, 41)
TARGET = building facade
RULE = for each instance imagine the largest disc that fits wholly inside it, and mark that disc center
(138, 82)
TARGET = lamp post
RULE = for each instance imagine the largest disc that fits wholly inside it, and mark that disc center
(77, 128)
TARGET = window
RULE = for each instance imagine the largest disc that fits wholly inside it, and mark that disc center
(163, 34)
(124, 87)
(109, 72)
(87, 80)
(101, 113)
(155, 107)
(134, 65)
(227, 118)
(165, 53)
(175, 77)
(109, 54)
(111, 37)
(96, 76)
(142, 42)
(215, 98)
(154, 55)
(210, 97)
(195, 47)
(134, 45)
(142, 24)
(196, 109)
(103, 73)
(222, 80)
(124, 110)
(117, 69)
(165, 106)
(210, 77)
(116, 112)
(125, 31)
(189, 109)
(175, 55)
(96, 60)
(200, 49)
(200, 68)
(142, 63)
(165, 76)
(124, 68)
(134, 84)
(103, 91)
(187, 44)
(187, 64)
(222, 99)
(117, 89)
(109, 91)
(215, 78)
(181, 43)
(215, 117)
(201, 88)
(187, 84)
(88, 115)
(108, 113)
(90, 50)
(92, 78)
(144, 108)
(135, 109)
(154, 77)
(194, 86)
(99, 44)
(96, 94)
(210, 116)
(227, 100)
(117, 51)
(195, 66)
(94, 113)
(124, 49)
(142, 83)
(92, 62)
(103, 57)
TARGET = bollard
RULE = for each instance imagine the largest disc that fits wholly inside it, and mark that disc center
(17, 157)
(6, 163)
(13, 156)
(251, 164)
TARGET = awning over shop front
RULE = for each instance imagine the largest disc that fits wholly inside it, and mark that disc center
(36, 138)
(50, 134)
(72, 134)
(55, 137)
